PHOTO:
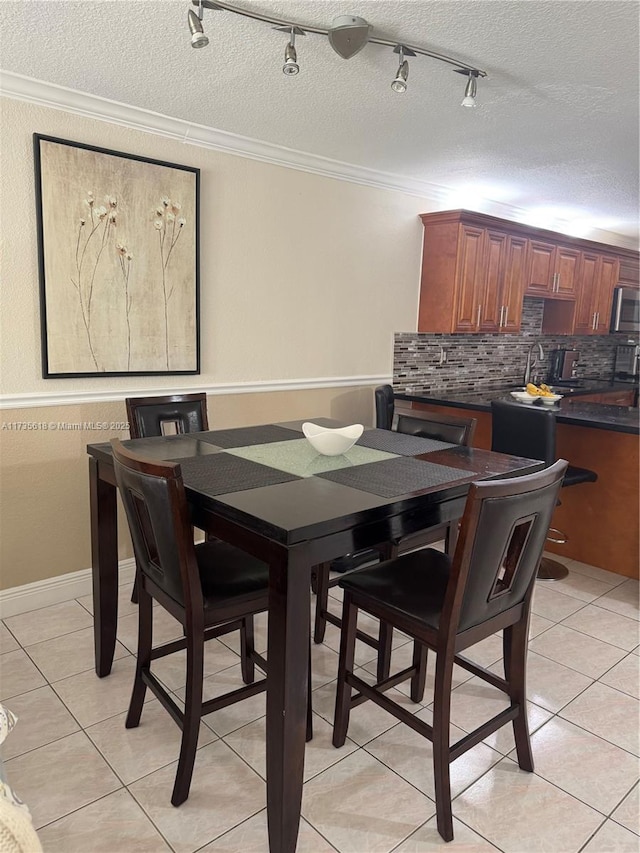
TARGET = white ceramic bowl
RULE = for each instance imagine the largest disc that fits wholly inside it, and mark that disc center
(332, 442)
(554, 398)
(524, 396)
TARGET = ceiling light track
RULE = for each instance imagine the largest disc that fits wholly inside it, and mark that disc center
(347, 35)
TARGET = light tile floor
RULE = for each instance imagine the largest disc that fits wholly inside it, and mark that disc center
(95, 787)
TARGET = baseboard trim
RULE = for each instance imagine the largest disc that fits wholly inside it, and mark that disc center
(33, 596)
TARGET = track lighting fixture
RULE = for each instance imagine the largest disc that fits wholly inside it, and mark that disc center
(400, 82)
(198, 38)
(347, 35)
(471, 88)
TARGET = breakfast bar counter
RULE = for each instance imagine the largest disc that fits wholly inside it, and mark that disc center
(599, 519)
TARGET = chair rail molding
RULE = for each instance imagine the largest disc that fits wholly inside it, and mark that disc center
(73, 398)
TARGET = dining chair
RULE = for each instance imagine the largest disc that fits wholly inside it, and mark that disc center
(448, 604)
(530, 431)
(211, 589)
(167, 415)
(171, 414)
(423, 424)
(385, 403)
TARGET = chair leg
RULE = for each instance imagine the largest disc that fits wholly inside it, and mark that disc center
(309, 705)
(322, 601)
(247, 646)
(192, 715)
(145, 639)
(418, 681)
(441, 750)
(385, 637)
(345, 665)
(516, 646)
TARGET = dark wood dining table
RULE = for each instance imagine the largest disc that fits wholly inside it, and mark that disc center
(264, 489)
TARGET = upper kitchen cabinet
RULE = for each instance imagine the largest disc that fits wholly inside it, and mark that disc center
(477, 268)
(629, 275)
(552, 270)
(472, 275)
(598, 275)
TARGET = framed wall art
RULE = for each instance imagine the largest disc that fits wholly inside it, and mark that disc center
(118, 249)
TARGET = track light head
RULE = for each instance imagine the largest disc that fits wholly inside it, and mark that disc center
(402, 75)
(471, 89)
(290, 66)
(400, 82)
(198, 38)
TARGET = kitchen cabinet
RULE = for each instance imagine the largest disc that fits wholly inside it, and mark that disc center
(598, 275)
(472, 277)
(629, 274)
(476, 269)
(552, 270)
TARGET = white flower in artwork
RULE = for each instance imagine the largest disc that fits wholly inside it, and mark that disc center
(169, 231)
(159, 211)
(101, 212)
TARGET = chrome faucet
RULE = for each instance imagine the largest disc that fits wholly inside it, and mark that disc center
(532, 360)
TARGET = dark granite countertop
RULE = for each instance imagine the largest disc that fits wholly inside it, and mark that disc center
(595, 415)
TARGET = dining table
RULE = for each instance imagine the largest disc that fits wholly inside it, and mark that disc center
(264, 489)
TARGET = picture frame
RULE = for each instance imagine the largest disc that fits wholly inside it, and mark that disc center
(118, 260)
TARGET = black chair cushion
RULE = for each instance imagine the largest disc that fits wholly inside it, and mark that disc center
(577, 475)
(414, 584)
(227, 573)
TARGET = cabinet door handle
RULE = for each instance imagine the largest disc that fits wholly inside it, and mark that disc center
(553, 285)
(597, 319)
(593, 321)
(478, 317)
(501, 313)
(506, 312)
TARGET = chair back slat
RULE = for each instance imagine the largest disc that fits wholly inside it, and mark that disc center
(155, 504)
(169, 415)
(501, 541)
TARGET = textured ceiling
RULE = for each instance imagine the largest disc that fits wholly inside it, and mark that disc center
(556, 127)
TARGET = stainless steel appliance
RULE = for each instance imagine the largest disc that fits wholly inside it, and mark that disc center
(625, 314)
(564, 364)
(627, 364)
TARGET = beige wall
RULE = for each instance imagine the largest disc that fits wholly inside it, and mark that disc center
(302, 277)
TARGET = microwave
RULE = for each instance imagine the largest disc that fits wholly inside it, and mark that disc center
(625, 313)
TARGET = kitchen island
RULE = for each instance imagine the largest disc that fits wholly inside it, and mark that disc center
(601, 519)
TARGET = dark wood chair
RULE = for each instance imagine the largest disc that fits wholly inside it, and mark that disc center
(385, 403)
(168, 415)
(529, 430)
(211, 589)
(426, 425)
(172, 414)
(449, 604)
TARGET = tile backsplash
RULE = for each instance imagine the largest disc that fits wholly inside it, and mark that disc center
(423, 362)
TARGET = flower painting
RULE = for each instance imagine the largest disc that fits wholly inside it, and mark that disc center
(118, 251)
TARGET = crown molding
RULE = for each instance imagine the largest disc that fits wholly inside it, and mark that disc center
(22, 88)
(74, 398)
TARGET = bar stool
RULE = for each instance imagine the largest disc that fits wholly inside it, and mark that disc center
(521, 429)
